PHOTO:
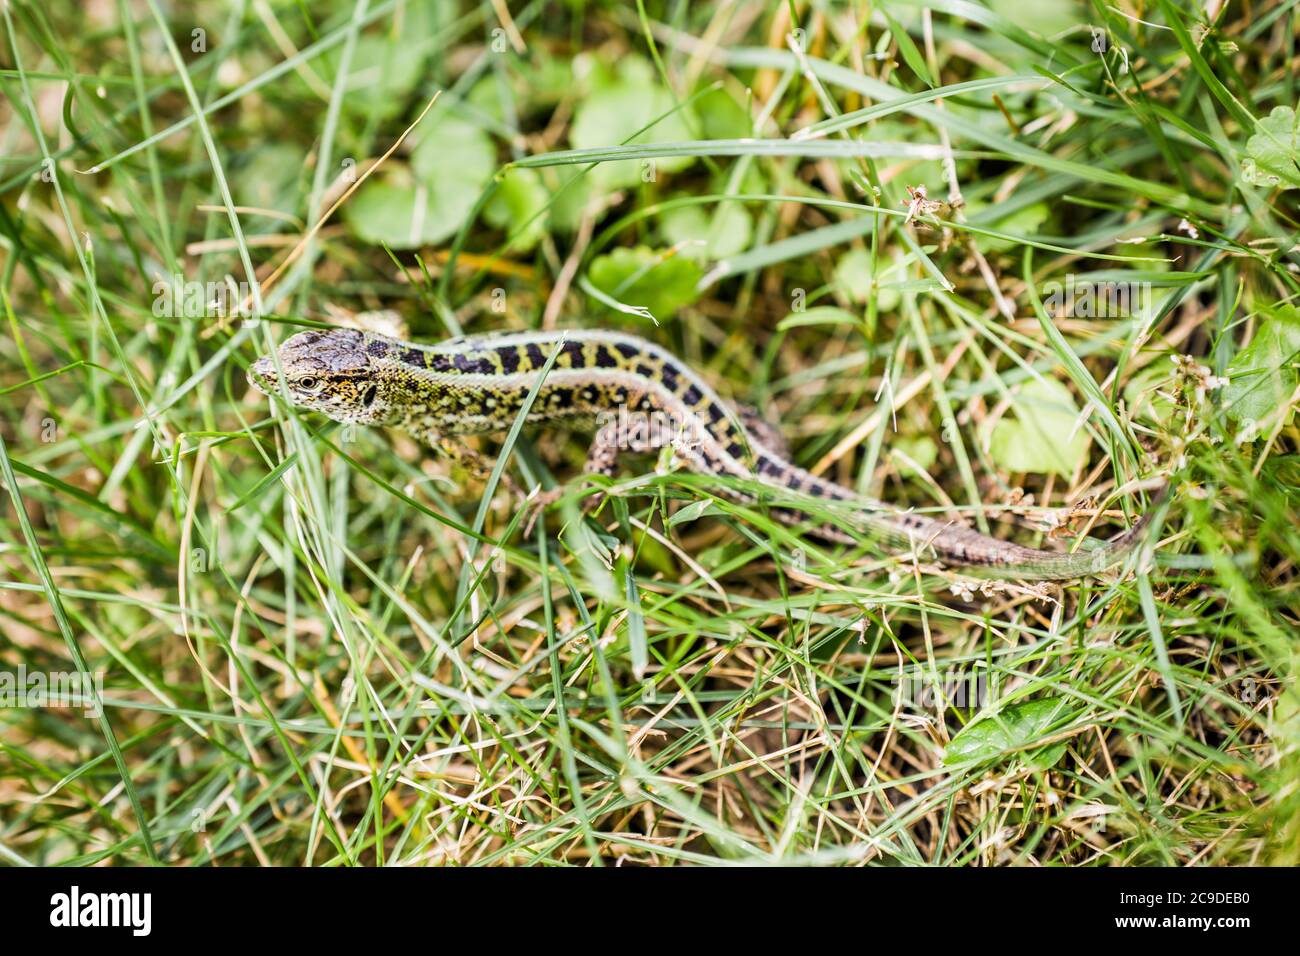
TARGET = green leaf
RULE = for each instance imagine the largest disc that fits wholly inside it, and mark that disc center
(1262, 377)
(1272, 157)
(819, 315)
(643, 277)
(1149, 395)
(1045, 435)
(721, 117)
(572, 196)
(919, 451)
(724, 234)
(270, 178)
(519, 200)
(693, 512)
(453, 153)
(636, 635)
(452, 161)
(614, 111)
(405, 214)
(907, 49)
(1013, 730)
(1047, 18)
(384, 71)
(1022, 222)
(856, 280)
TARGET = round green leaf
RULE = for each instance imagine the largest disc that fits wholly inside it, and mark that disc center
(517, 205)
(1273, 151)
(453, 154)
(617, 109)
(384, 71)
(452, 161)
(855, 278)
(1262, 377)
(270, 178)
(643, 277)
(723, 234)
(1043, 435)
(404, 213)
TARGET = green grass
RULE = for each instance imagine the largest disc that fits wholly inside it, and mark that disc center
(322, 646)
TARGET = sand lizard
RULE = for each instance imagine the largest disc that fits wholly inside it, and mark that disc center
(478, 384)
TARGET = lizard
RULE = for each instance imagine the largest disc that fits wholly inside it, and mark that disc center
(479, 384)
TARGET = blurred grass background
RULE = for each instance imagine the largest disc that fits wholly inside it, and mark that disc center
(322, 646)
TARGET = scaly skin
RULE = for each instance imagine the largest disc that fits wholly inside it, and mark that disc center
(478, 384)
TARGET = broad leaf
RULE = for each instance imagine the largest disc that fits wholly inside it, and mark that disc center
(1045, 17)
(617, 109)
(453, 153)
(1262, 377)
(1043, 434)
(452, 161)
(1011, 732)
(855, 278)
(721, 117)
(1273, 152)
(519, 204)
(384, 71)
(643, 277)
(271, 178)
(724, 233)
(403, 213)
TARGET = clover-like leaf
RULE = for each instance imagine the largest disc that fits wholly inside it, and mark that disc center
(703, 236)
(1044, 434)
(1262, 377)
(615, 112)
(517, 207)
(428, 202)
(721, 117)
(855, 278)
(384, 70)
(1273, 151)
(648, 279)
(270, 177)
(453, 153)
(403, 213)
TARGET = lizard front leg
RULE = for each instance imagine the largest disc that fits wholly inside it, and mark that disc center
(461, 455)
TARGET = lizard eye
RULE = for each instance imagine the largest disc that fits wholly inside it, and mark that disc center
(308, 383)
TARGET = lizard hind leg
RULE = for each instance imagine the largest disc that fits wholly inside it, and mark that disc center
(461, 455)
(607, 447)
(603, 455)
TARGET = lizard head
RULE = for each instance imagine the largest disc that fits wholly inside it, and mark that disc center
(332, 371)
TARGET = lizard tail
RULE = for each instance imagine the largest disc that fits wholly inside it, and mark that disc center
(980, 554)
(950, 541)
